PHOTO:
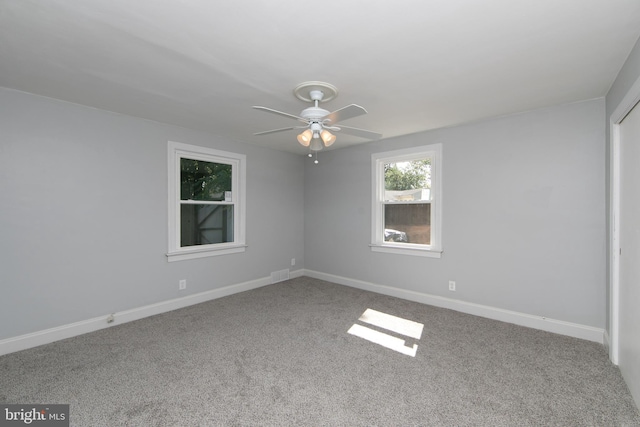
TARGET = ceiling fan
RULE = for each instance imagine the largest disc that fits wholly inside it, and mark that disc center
(318, 122)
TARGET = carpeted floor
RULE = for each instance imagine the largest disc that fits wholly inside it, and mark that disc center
(281, 356)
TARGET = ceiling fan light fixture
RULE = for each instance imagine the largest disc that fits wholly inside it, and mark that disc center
(316, 145)
(305, 138)
(327, 137)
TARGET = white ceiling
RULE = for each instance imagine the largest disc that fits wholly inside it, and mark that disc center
(413, 64)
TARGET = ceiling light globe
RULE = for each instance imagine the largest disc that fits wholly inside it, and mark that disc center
(328, 138)
(305, 138)
(316, 145)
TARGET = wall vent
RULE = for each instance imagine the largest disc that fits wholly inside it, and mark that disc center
(279, 276)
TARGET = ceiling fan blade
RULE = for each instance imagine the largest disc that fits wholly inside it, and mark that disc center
(360, 132)
(280, 113)
(345, 113)
(266, 132)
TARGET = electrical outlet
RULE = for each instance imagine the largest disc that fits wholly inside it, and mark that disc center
(182, 284)
(452, 285)
(293, 262)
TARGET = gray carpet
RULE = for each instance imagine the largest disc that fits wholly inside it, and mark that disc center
(281, 355)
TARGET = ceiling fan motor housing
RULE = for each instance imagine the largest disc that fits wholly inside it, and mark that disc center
(314, 113)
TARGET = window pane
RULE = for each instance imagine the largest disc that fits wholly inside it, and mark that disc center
(200, 180)
(408, 223)
(407, 181)
(205, 224)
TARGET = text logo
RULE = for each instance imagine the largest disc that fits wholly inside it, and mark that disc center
(34, 415)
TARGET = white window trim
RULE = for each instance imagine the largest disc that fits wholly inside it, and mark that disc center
(377, 207)
(177, 150)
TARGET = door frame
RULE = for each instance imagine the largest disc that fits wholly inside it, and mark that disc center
(627, 104)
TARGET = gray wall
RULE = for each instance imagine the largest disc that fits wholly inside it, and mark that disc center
(83, 214)
(523, 223)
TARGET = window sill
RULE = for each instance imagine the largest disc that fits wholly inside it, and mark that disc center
(407, 250)
(185, 254)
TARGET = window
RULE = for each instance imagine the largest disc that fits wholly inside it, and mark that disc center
(206, 202)
(406, 207)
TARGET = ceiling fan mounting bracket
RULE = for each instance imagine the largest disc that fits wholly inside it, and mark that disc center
(315, 91)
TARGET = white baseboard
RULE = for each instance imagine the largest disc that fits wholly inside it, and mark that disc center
(296, 273)
(47, 336)
(536, 322)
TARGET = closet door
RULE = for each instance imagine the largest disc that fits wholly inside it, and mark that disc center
(629, 294)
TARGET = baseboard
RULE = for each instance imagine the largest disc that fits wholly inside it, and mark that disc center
(537, 322)
(296, 273)
(47, 336)
(23, 342)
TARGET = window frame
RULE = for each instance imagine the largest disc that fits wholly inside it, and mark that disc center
(378, 160)
(178, 151)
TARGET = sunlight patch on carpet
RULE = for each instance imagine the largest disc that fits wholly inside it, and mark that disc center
(391, 323)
